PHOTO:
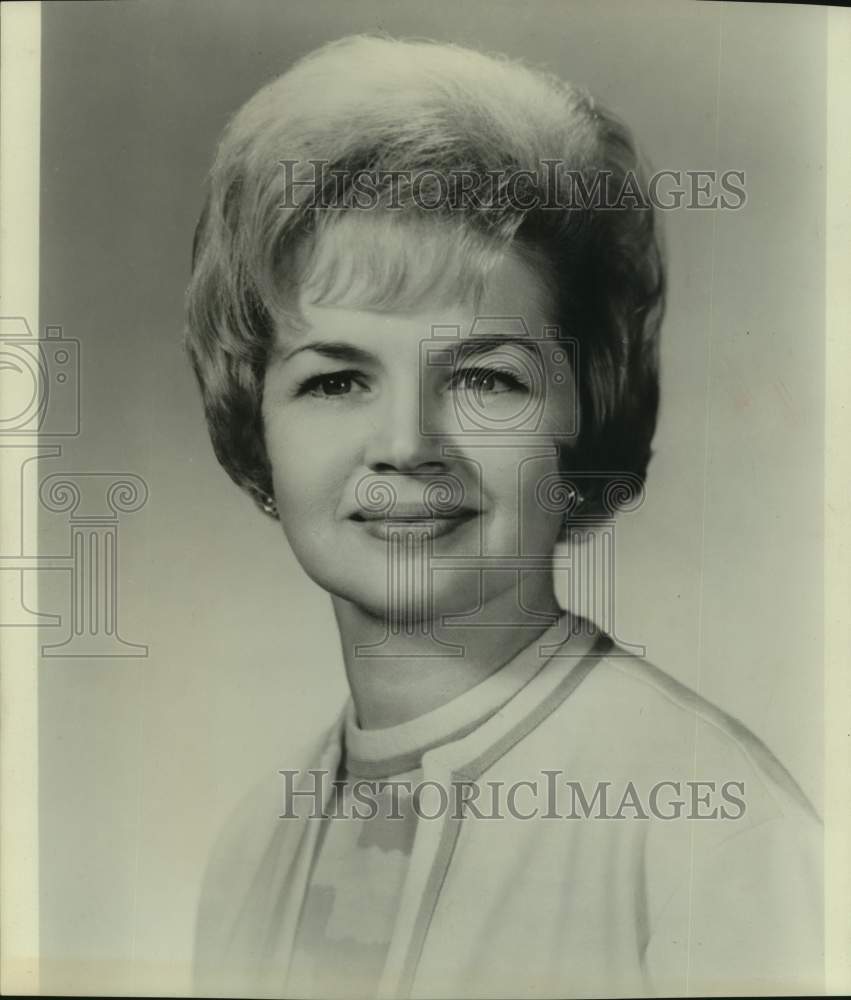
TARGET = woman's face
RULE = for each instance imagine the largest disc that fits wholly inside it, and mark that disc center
(409, 450)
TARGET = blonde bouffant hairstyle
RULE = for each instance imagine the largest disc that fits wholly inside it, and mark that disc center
(287, 169)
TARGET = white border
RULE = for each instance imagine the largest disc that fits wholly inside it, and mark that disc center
(20, 121)
(837, 514)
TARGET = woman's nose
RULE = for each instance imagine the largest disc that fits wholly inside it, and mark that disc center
(404, 438)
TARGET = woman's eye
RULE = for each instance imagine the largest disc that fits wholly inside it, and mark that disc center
(486, 380)
(329, 385)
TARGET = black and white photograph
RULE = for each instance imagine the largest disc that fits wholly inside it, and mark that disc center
(425, 510)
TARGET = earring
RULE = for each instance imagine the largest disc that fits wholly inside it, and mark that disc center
(576, 499)
(269, 505)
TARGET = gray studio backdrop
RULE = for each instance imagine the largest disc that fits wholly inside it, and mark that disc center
(719, 574)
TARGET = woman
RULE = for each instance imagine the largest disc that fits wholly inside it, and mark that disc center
(424, 314)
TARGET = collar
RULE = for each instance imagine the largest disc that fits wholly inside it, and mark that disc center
(454, 737)
(379, 753)
(557, 663)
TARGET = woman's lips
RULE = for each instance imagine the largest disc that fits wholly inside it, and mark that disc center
(419, 525)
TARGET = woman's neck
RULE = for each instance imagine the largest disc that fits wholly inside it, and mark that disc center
(398, 673)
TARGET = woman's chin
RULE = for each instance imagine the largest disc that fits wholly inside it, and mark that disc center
(413, 612)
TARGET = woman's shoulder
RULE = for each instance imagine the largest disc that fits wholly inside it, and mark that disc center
(254, 814)
(248, 860)
(732, 849)
(633, 720)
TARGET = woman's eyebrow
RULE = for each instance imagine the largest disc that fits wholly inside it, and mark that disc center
(337, 349)
(477, 345)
